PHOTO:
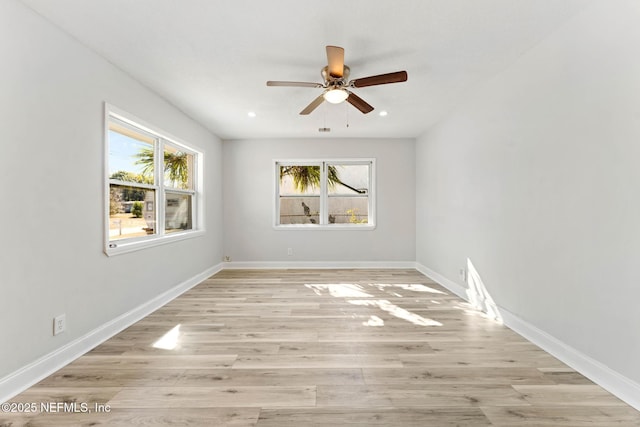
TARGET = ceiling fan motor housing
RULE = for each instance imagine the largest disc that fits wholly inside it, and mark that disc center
(331, 81)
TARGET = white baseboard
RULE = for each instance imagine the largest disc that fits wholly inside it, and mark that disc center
(612, 381)
(440, 279)
(249, 265)
(16, 382)
(13, 384)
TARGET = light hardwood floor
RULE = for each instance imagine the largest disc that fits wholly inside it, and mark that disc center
(321, 348)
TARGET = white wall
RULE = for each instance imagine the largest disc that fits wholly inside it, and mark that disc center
(51, 142)
(249, 235)
(535, 179)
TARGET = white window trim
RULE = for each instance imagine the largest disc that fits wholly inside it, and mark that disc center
(137, 243)
(372, 224)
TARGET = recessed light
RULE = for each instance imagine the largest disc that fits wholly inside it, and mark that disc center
(383, 113)
(251, 114)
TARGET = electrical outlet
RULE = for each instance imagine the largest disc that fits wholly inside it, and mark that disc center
(59, 324)
(290, 251)
(227, 258)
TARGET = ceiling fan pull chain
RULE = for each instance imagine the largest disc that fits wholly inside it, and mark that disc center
(347, 111)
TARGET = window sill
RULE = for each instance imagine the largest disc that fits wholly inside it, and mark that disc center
(132, 246)
(325, 227)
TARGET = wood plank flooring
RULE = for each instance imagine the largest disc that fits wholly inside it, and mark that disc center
(320, 348)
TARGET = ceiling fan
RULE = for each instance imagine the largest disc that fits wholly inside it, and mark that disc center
(336, 84)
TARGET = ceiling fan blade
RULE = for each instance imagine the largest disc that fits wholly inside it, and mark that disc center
(293, 84)
(314, 104)
(335, 60)
(381, 79)
(359, 103)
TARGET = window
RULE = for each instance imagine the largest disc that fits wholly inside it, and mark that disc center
(325, 194)
(152, 185)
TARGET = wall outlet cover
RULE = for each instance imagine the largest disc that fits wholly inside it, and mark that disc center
(59, 324)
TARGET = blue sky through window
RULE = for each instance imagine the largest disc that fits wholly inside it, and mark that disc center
(122, 153)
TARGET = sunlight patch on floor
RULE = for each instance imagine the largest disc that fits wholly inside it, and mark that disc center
(344, 290)
(412, 287)
(396, 311)
(374, 321)
(170, 340)
(352, 290)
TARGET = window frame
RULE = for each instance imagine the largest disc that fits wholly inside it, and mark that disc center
(324, 194)
(161, 138)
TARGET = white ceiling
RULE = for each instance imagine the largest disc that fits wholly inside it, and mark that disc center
(211, 58)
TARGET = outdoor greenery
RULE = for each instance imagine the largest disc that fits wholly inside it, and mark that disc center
(132, 177)
(176, 165)
(120, 194)
(353, 218)
(130, 193)
(136, 209)
(115, 201)
(308, 177)
(176, 170)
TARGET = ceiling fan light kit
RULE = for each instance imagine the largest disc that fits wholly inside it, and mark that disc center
(336, 82)
(335, 95)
